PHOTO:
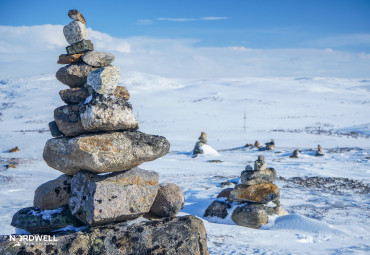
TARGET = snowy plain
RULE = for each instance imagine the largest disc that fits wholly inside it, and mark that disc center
(297, 112)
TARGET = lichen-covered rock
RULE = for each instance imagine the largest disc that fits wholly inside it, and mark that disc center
(250, 215)
(98, 59)
(74, 75)
(34, 220)
(107, 113)
(54, 130)
(251, 177)
(104, 80)
(74, 96)
(65, 59)
(101, 153)
(80, 47)
(74, 32)
(169, 200)
(217, 209)
(122, 92)
(260, 193)
(53, 194)
(169, 236)
(113, 197)
(68, 120)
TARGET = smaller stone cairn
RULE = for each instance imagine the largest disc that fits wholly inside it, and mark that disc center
(254, 199)
(95, 133)
(202, 140)
(319, 152)
(295, 154)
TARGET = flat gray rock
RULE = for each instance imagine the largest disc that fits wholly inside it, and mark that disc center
(37, 221)
(169, 236)
(98, 59)
(80, 47)
(104, 80)
(74, 32)
(102, 153)
(74, 75)
(53, 194)
(251, 177)
(113, 197)
(169, 200)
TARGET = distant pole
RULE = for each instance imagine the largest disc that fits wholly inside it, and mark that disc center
(245, 121)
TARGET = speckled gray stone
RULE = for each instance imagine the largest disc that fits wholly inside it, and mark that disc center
(250, 215)
(251, 177)
(74, 32)
(113, 197)
(104, 80)
(98, 59)
(102, 153)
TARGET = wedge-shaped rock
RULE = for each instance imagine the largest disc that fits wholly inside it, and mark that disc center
(68, 120)
(107, 113)
(251, 177)
(104, 80)
(250, 215)
(98, 59)
(53, 194)
(102, 153)
(34, 220)
(169, 236)
(54, 130)
(113, 197)
(74, 75)
(74, 96)
(260, 193)
(74, 32)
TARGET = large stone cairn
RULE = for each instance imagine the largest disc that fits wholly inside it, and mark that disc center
(96, 133)
(254, 198)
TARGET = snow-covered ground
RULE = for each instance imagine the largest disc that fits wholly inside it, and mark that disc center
(327, 215)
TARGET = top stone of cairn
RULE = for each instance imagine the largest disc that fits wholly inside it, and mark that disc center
(76, 30)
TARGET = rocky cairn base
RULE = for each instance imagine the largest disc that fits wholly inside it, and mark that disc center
(252, 200)
(96, 133)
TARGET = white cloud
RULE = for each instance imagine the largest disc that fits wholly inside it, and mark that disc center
(191, 19)
(214, 18)
(35, 50)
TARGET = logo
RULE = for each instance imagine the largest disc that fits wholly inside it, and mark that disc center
(28, 240)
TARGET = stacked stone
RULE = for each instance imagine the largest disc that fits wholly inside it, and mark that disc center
(95, 133)
(256, 197)
(202, 140)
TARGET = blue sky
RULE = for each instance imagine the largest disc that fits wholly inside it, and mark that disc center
(265, 24)
(194, 38)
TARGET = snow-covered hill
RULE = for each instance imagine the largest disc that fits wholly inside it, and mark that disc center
(328, 215)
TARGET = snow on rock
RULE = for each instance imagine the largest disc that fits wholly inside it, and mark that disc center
(209, 151)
